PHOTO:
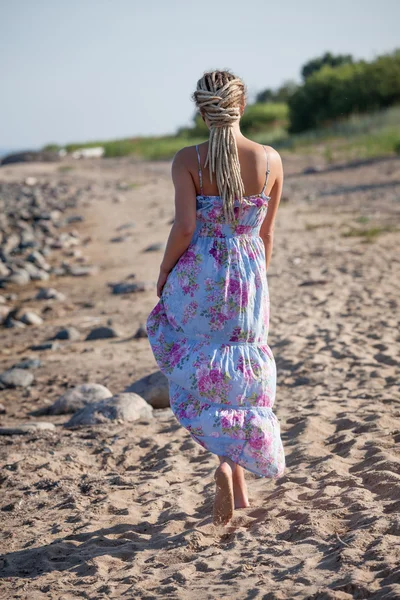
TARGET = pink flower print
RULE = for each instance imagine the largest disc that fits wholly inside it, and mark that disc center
(216, 376)
(264, 400)
(225, 423)
(191, 412)
(238, 418)
(233, 286)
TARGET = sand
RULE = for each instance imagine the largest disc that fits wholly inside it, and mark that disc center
(125, 510)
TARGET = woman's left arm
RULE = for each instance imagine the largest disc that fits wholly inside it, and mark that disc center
(185, 216)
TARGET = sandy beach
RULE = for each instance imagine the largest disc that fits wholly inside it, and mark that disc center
(123, 509)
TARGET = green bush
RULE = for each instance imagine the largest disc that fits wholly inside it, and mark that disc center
(332, 93)
(263, 117)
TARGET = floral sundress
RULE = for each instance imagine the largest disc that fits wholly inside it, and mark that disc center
(209, 333)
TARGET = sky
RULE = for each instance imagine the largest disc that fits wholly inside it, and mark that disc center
(84, 70)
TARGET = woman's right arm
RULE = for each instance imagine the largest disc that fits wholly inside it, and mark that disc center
(267, 228)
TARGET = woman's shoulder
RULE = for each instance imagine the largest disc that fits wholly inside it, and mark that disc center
(184, 154)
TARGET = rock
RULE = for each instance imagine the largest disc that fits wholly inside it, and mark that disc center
(35, 273)
(38, 260)
(4, 270)
(30, 318)
(77, 398)
(155, 247)
(49, 294)
(311, 170)
(74, 219)
(86, 271)
(101, 333)
(19, 277)
(154, 388)
(2, 299)
(129, 225)
(25, 428)
(46, 346)
(4, 311)
(122, 407)
(119, 239)
(31, 181)
(69, 333)
(28, 363)
(129, 288)
(141, 333)
(16, 378)
(2, 409)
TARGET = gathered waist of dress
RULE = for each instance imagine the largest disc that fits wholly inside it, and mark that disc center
(226, 230)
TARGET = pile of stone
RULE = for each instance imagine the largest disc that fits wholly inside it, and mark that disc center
(32, 227)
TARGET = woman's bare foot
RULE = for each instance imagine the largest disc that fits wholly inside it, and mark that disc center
(240, 488)
(224, 502)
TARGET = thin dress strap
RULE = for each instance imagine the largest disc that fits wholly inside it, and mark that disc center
(267, 172)
(200, 173)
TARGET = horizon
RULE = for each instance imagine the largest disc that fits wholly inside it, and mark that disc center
(66, 67)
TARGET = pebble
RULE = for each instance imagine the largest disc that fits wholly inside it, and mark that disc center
(46, 346)
(129, 288)
(122, 407)
(157, 247)
(28, 363)
(79, 271)
(154, 388)
(76, 398)
(19, 277)
(69, 333)
(25, 428)
(141, 333)
(2, 409)
(101, 333)
(49, 294)
(30, 318)
(14, 378)
(4, 311)
(129, 225)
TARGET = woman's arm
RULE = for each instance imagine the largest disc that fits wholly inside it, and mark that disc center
(267, 228)
(185, 216)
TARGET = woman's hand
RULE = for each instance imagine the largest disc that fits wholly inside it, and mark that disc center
(162, 278)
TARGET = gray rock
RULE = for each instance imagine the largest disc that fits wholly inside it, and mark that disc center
(38, 260)
(74, 219)
(46, 346)
(2, 409)
(28, 363)
(4, 311)
(159, 246)
(141, 333)
(2, 299)
(122, 407)
(119, 239)
(78, 397)
(16, 378)
(69, 333)
(49, 294)
(129, 288)
(19, 277)
(4, 270)
(154, 388)
(30, 318)
(25, 428)
(129, 225)
(101, 333)
(86, 271)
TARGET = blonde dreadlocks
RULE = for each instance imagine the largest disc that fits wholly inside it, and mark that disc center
(219, 96)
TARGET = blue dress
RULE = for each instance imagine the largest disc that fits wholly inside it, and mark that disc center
(209, 336)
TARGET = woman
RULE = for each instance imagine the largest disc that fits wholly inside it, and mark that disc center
(209, 329)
